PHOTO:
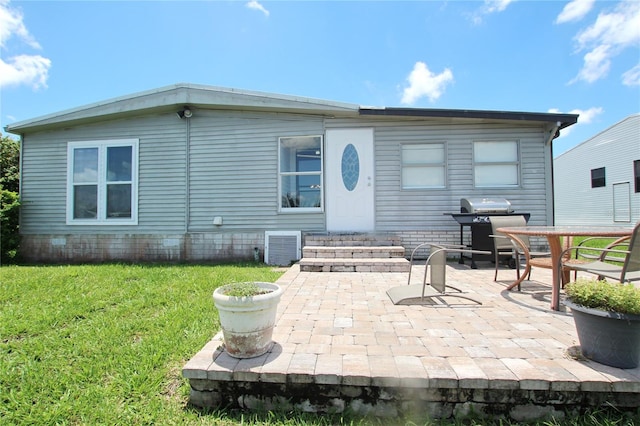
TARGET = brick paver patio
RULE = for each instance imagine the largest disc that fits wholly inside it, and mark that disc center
(341, 343)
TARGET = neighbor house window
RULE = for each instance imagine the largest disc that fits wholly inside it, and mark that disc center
(102, 182)
(423, 166)
(496, 164)
(300, 160)
(598, 178)
(636, 174)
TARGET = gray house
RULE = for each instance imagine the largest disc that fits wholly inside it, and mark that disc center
(199, 173)
(598, 181)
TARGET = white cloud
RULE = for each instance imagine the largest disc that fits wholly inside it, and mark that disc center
(585, 116)
(31, 70)
(611, 33)
(574, 11)
(255, 5)
(11, 24)
(632, 77)
(492, 6)
(489, 7)
(596, 64)
(422, 82)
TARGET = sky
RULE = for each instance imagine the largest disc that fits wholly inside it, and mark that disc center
(580, 57)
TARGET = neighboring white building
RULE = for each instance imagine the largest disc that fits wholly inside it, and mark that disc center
(598, 181)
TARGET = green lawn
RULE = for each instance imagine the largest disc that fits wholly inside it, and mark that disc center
(105, 344)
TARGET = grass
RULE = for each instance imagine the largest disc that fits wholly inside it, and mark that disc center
(599, 242)
(105, 344)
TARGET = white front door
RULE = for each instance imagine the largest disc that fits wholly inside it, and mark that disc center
(349, 180)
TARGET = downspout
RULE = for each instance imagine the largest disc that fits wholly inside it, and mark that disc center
(554, 132)
(187, 201)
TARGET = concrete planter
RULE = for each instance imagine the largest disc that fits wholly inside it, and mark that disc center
(247, 322)
(607, 337)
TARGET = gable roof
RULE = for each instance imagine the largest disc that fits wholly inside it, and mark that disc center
(174, 97)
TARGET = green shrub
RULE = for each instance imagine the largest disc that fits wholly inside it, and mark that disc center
(9, 216)
(612, 297)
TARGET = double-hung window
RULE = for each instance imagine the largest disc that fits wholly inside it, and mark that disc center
(424, 165)
(496, 164)
(102, 182)
(300, 176)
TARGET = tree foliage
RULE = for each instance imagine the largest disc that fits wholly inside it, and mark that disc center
(9, 198)
(10, 164)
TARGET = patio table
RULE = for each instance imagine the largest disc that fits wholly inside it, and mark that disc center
(553, 234)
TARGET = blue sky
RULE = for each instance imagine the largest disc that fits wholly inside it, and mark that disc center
(581, 56)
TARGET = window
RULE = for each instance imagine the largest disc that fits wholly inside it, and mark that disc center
(496, 164)
(598, 178)
(423, 166)
(636, 174)
(102, 182)
(300, 173)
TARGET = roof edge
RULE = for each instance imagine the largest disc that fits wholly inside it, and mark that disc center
(565, 120)
(183, 94)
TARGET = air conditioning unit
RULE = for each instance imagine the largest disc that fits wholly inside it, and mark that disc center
(282, 247)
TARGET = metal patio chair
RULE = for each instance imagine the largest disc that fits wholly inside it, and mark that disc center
(436, 265)
(604, 267)
(515, 248)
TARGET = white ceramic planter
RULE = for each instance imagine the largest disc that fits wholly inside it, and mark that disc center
(247, 322)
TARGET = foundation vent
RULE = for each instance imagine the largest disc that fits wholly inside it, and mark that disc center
(282, 247)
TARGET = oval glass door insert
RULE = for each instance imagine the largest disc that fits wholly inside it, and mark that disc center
(350, 167)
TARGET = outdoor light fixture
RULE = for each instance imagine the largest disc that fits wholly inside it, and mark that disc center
(185, 113)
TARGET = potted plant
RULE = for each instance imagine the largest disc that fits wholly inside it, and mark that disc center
(247, 314)
(607, 318)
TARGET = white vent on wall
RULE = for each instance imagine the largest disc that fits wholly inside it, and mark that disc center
(281, 247)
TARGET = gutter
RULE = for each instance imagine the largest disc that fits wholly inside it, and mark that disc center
(561, 120)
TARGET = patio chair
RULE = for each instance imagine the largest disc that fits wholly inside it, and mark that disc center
(516, 249)
(603, 267)
(584, 255)
(436, 265)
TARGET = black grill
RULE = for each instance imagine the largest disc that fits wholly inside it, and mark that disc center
(475, 213)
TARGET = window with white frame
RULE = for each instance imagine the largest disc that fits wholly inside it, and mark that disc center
(102, 182)
(300, 176)
(424, 165)
(496, 164)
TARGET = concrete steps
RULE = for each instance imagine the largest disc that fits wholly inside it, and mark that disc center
(353, 253)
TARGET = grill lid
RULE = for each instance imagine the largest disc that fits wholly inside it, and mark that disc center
(485, 205)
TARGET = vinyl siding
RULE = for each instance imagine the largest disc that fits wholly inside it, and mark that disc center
(225, 163)
(234, 171)
(615, 149)
(161, 179)
(403, 210)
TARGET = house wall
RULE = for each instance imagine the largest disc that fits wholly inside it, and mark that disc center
(224, 164)
(615, 149)
(234, 171)
(161, 177)
(417, 215)
(228, 160)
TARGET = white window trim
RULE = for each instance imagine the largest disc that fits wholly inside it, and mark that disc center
(516, 163)
(293, 210)
(102, 145)
(442, 165)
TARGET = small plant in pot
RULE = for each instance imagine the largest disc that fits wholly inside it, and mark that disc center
(247, 314)
(607, 318)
